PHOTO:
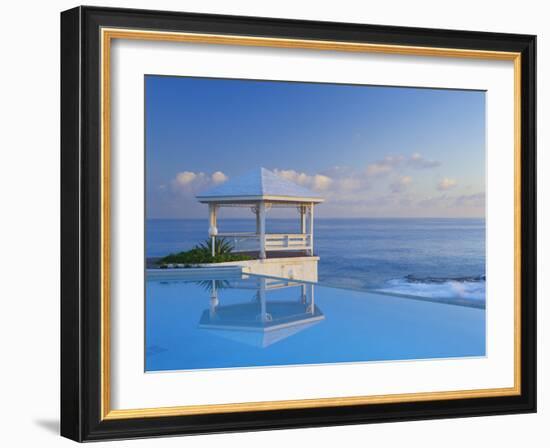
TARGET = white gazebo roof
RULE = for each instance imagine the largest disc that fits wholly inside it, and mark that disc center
(259, 185)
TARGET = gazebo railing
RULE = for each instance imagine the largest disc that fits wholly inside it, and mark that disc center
(287, 241)
(248, 242)
(242, 241)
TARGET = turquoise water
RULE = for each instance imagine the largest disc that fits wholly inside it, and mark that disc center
(248, 321)
(443, 259)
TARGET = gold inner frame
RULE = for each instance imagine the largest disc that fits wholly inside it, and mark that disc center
(107, 35)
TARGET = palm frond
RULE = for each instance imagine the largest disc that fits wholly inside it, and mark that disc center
(221, 246)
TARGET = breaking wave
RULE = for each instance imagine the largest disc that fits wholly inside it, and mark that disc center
(460, 288)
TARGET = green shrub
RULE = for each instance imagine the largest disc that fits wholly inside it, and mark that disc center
(202, 253)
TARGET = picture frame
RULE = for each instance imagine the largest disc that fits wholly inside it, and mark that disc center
(86, 238)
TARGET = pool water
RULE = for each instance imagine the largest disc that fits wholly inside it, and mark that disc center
(228, 320)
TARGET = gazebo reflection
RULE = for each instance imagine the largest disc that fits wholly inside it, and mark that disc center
(261, 322)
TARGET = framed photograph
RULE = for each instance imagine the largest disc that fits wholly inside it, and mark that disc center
(274, 223)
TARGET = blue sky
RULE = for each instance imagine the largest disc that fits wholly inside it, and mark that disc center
(371, 151)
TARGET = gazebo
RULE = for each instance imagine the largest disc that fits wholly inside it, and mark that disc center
(260, 190)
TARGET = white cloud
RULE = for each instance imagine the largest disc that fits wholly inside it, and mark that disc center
(346, 179)
(292, 175)
(317, 182)
(444, 200)
(446, 184)
(390, 163)
(218, 177)
(400, 184)
(192, 182)
(349, 191)
(418, 161)
(471, 200)
(394, 160)
(384, 166)
(441, 201)
(321, 182)
(187, 177)
(350, 183)
(378, 169)
(338, 171)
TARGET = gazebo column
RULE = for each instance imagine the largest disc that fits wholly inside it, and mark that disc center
(213, 229)
(263, 304)
(261, 228)
(311, 229)
(256, 211)
(303, 219)
(311, 306)
(214, 301)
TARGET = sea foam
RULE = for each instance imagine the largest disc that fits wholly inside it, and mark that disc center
(469, 288)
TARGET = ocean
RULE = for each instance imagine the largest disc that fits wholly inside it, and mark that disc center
(439, 259)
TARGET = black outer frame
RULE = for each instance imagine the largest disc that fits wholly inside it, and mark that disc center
(80, 224)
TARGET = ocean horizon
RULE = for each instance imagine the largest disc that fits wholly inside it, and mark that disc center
(434, 258)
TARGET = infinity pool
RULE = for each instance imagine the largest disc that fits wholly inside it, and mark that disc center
(247, 321)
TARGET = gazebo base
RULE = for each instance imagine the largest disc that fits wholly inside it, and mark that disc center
(292, 267)
(277, 254)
